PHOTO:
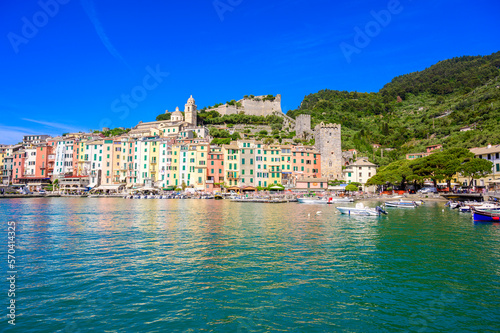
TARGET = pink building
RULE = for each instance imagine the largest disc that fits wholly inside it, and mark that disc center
(215, 169)
(41, 163)
(18, 167)
(306, 162)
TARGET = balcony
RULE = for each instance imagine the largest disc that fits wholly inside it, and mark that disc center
(209, 181)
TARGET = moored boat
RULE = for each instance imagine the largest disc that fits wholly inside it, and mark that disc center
(485, 215)
(401, 204)
(324, 200)
(360, 209)
(478, 206)
(312, 201)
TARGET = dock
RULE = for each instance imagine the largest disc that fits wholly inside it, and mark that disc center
(263, 200)
(464, 197)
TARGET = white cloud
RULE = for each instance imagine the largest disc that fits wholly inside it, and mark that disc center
(63, 127)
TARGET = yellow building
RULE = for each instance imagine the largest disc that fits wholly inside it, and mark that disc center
(273, 159)
(175, 165)
(3, 154)
(82, 158)
(117, 165)
(286, 166)
(154, 161)
(231, 165)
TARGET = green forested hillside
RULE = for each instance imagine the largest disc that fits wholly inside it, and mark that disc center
(417, 109)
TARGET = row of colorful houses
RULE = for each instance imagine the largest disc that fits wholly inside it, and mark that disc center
(157, 161)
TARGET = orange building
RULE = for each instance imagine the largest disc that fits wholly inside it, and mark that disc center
(306, 162)
(215, 169)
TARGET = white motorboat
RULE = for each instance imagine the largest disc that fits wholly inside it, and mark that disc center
(401, 204)
(479, 206)
(312, 201)
(324, 200)
(360, 209)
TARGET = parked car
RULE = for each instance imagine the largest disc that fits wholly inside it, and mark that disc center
(42, 192)
(428, 190)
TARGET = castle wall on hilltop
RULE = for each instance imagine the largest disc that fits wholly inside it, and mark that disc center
(302, 124)
(253, 107)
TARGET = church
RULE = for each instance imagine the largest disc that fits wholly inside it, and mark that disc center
(177, 124)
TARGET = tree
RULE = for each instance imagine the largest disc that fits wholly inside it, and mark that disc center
(476, 168)
(351, 188)
(268, 141)
(398, 172)
(448, 162)
(163, 116)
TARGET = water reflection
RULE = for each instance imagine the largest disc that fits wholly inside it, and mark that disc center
(178, 265)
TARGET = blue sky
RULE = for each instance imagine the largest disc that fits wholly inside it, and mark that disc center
(70, 64)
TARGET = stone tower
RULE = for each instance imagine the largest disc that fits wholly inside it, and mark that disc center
(328, 142)
(190, 113)
(302, 124)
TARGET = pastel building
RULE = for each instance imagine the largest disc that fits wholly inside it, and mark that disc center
(93, 151)
(63, 157)
(231, 165)
(271, 154)
(18, 166)
(247, 162)
(360, 171)
(215, 168)
(491, 181)
(306, 162)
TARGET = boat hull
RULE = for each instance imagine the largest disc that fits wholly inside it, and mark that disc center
(312, 201)
(485, 216)
(400, 204)
(361, 211)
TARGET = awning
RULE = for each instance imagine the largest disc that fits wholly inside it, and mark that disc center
(234, 188)
(169, 188)
(277, 188)
(248, 188)
(494, 181)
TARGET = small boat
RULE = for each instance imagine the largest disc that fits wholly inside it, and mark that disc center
(218, 197)
(401, 204)
(485, 215)
(324, 200)
(313, 201)
(360, 209)
(479, 206)
(332, 200)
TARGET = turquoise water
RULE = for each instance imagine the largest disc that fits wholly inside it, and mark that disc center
(120, 265)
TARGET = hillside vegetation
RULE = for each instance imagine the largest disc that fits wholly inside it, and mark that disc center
(417, 109)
